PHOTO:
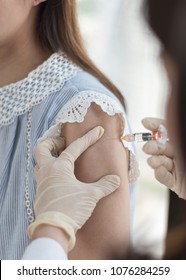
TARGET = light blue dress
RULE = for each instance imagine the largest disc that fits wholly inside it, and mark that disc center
(54, 93)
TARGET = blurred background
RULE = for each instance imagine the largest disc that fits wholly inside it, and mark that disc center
(120, 43)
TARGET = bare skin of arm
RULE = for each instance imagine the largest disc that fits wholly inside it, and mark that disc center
(107, 233)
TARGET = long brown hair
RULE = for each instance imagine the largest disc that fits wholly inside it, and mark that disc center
(59, 30)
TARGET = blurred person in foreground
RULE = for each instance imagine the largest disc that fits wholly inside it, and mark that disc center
(168, 21)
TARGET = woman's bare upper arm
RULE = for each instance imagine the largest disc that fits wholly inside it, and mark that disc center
(107, 231)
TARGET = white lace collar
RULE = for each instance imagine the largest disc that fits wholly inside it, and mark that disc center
(47, 78)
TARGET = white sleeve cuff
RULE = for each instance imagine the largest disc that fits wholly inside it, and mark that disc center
(44, 249)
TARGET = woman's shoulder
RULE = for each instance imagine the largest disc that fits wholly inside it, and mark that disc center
(86, 82)
(87, 89)
(67, 76)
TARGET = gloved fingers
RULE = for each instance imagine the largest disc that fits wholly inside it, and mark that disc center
(152, 123)
(76, 148)
(47, 149)
(158, 161)
(164, 177)
(107, 185)
(155, 148)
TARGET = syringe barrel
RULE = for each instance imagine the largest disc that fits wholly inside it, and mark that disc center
(142, 137)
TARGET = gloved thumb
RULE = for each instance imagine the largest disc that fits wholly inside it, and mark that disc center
(108, 184)
(81, 144)
(152, 123)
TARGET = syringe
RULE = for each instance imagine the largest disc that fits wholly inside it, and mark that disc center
(159, 135)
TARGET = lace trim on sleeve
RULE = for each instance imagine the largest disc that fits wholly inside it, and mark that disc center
(75, 111)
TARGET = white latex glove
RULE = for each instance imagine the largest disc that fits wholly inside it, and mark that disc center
(166, 166)
(61, 200)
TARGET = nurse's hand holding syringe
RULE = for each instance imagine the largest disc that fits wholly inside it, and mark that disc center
(163, 160)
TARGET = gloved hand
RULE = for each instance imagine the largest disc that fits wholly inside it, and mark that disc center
(61, 200)
(166, 165)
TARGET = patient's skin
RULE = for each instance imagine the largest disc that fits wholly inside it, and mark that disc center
(107, 231)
